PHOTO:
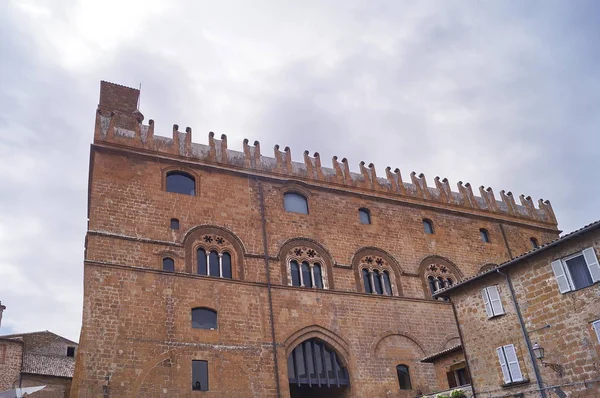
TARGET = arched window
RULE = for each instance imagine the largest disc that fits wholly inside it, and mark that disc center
(214, 263)
(180, 182)
(313, 363)
(485, 236)
(428, 226)
(432, 285)
(174, 223)
(204, 318)
(437, 273)
(295, 203)
(403, 377)
(376, 275)
(305, 268)
(534, 243)
(364, 215)
(168, 264)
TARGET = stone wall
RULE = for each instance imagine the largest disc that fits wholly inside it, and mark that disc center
(11, 355)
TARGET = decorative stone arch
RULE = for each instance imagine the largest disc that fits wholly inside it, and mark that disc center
(383, 336)
(450, 341)
(297, 187)
(285, 255)
(212, 237)
(166, 170)
(437, 266)
(486, 267)
(167, 357)
(337, 342)
(389, 262)
(160, 255)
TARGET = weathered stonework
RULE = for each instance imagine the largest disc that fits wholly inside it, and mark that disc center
(136, 337)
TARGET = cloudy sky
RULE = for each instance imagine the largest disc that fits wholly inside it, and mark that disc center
(495, 92)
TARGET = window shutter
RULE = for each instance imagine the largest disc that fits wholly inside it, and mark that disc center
(596, 325)
(503, 365)
(592, 263)
(561, 277)
(513, 363)
(486, 301)
(495, 301)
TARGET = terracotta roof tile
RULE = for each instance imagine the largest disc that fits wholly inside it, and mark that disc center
(49, 365)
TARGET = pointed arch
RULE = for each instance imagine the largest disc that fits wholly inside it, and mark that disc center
(385, 335)
(389, 262)
(336, 341)
(438, 268)
(321, 253)
(212, 237)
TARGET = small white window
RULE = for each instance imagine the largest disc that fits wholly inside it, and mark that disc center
(295, 203)
(596, 326)
(577, 271)
(491, 299)
(511, 371)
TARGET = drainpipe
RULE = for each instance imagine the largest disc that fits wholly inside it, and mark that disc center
(268, 273)
(506, 241)
(536, 370)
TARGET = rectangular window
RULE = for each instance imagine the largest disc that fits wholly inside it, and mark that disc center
(492, 302)
(577, 271)
(511, 371)
(70, 351)
(200, 375)
(596, 326)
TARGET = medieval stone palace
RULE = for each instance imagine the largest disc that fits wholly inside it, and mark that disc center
(224, 273)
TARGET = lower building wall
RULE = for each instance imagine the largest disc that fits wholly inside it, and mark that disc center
(11, 356)
(56, 387)
(137, 339)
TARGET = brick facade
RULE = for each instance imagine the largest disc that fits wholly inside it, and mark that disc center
(572, 349)
(136, 337)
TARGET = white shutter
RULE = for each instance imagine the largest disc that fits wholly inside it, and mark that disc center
(495, 301)
(486, 301)
(503, 365)
(592, 263)
(596, 326)
(513, 363)
(561, 277)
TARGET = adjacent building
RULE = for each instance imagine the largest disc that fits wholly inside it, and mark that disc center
(215, 272)
(531, 326)
(35, 359)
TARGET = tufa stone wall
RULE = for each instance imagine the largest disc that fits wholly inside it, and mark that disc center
(11, 355)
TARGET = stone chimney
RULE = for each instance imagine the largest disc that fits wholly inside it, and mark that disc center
(2, 308)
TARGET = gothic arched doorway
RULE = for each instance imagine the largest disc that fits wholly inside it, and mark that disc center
(314, 370)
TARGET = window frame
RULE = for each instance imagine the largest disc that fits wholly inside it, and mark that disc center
(488, 300)
(298, 194)
(562, 272)
(596, 328)
(367, 213)
(484, 233)
(534, 243)
(167, 258)
(400, 383)
(71, 349)
(180, 172)
(205, 310)
(202, 388)
(427, 223)
(505, 364)
(174, 224)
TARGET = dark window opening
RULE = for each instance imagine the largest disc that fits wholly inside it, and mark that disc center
(213, 263)
(306, 275)
(70, 351)
(432, 284)
(227, 273)
(377, 282)
(364, 215)
(403, 377)
(295, 203)
(202, 263)
(200, 375)
(534, 243)
(295, 269)
(579, 271)
(428, 226)
(387, 283)
(318, 276)
(174, 223)
(168, 264)
(204, 318)
(485, 236)
(180, 182)
(367, 281)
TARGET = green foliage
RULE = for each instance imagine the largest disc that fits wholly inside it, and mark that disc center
(457, 394)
